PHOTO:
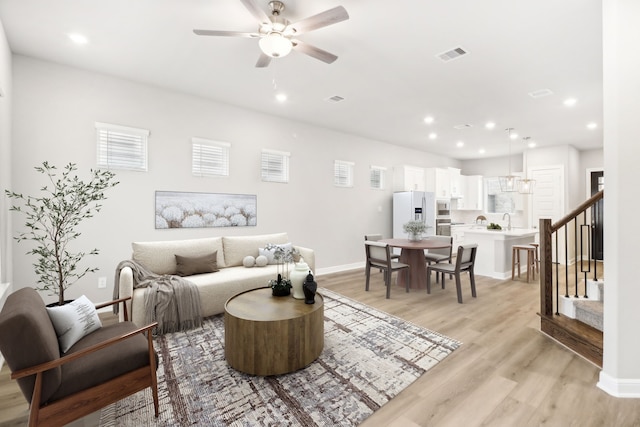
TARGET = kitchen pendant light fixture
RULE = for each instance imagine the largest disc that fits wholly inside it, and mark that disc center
(508, 183)
(525, 186)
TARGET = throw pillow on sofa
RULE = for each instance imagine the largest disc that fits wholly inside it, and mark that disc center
(270, 253)
(188, 266)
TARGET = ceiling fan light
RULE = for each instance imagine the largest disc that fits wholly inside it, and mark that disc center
(275, 45)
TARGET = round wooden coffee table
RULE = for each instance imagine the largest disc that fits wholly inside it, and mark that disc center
(267, 335)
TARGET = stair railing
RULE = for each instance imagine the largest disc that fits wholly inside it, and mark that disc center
(565, 249)
(566, 242)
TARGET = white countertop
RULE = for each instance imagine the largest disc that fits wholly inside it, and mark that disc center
(501, 234)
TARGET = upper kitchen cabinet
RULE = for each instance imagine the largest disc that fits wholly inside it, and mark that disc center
(456, 183)
(439, 182)
(473, 199)
(408, 178)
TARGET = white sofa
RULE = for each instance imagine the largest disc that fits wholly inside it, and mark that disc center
(215, 288)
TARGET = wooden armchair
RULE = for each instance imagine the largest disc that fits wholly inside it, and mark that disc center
(105, 366)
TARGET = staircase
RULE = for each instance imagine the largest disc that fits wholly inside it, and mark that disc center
(587, 310)
(571, 284)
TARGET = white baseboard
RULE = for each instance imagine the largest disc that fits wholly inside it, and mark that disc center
(340, 268)
(619, 387)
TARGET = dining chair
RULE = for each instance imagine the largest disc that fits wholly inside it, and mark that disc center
(465, 260)
(435, 256)
(379, 256)
(375, 238)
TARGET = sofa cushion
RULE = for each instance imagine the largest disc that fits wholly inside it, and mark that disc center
(160, 257)
(103, 365)
(73, 321)
(238, 247)
(27, 338)
(187, 266)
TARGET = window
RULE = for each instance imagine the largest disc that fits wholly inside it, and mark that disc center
(122, 147)
(275, 166)
(343, 173)
(209, 158)
(376, 177)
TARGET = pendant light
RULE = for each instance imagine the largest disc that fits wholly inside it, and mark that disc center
(525, 186)
(508, 183)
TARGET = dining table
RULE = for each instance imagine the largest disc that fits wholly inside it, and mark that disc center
(412, 253)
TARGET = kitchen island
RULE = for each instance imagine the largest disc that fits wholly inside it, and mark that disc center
(493, 258)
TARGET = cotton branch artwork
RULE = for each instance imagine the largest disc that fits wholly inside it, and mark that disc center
(176, 209)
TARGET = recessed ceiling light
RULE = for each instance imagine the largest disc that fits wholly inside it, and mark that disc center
(570, 102)
(592, 126)
(513, 135)
(428, 120)
(78, 38)
(532, 144)
(281, 97)
(481, 151)
(460, 144)
(433, 135)
(490, 125)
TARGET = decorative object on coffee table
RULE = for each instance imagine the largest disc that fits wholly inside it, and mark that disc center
(297, 277)
(280, 287)
(310, 287)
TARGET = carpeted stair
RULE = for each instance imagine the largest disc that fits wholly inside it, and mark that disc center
(590, 312)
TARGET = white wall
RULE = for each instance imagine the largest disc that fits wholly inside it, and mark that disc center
(620, 375)
(590, 159)
(55, 108)
(5, 156)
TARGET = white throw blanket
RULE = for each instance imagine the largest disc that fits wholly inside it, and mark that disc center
(172, 301)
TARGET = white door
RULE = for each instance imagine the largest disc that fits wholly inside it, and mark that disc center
(547, 200)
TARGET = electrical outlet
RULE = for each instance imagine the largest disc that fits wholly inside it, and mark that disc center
(102, 282)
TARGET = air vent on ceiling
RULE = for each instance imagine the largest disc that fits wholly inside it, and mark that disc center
(540, 93)
(464, 126)
(452, 54)
(335, 98)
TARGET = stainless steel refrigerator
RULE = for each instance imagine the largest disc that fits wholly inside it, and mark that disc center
(413, 205)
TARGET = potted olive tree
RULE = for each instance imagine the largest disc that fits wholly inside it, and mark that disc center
(51, 220)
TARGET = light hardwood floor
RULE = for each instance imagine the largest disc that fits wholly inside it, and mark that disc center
(506, 373)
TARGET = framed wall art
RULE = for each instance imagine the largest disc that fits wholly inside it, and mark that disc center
(177, 209)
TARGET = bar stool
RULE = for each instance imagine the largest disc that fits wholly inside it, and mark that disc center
(515, 260)
(537, 258)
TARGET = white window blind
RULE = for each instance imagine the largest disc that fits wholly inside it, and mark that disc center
(275, 166)
(376, 177)
(343, 173)
(209, 158)
(121, 147)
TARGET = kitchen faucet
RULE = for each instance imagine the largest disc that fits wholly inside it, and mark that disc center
(509, 217)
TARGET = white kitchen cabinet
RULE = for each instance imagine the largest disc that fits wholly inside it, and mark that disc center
(456, 183)
(473, 195)
(439, 182)
(408, 178)
(457, 232)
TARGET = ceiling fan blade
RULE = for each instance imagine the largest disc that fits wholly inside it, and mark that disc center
(225, 33)
(323, 19)
(255, 10)
(314, 52)
(263, 61)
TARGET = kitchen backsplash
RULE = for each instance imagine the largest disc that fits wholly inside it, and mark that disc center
(469, 217)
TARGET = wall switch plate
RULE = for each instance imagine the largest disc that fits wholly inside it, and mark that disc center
(102, 282)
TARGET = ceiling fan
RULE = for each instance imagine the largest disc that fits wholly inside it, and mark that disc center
(277, 34)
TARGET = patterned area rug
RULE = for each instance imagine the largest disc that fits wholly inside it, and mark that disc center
(369, 357)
